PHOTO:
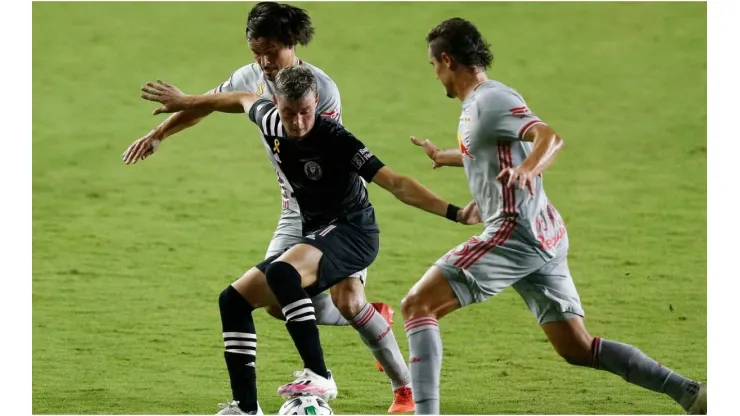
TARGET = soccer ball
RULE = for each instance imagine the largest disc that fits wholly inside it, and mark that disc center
(305, 405)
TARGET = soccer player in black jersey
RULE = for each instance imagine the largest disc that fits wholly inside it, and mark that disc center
(325, 165)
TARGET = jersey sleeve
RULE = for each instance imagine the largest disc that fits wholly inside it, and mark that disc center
(360, 158)
(505, 115)
(243, 79)
(265, 115)
(330, 102)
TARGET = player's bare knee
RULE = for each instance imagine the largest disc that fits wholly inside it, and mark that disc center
(414, 306)
(230, 300)
(349, 298)
(574, 358)
(350, 306)
(575, 352)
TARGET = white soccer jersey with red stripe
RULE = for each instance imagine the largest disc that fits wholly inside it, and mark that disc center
(494, 119)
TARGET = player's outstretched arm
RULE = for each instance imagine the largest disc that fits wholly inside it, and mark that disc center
(172, 99)
(546, 145)
(450, 157)
(411, 192)
(146, 145)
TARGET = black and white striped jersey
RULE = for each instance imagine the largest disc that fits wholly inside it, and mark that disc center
(325, 168)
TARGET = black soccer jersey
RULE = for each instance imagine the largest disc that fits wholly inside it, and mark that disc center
(324, 168)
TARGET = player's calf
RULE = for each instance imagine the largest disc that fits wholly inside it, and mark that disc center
(429, 299)
(240, 343)
(571, 340)
(285, 282)
(374, 329)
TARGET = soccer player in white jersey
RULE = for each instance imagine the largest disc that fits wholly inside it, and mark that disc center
(273, 30)
(504, 149)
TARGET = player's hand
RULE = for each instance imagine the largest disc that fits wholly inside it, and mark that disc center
(469, 215)
(429, 148)
(519, 175)
(170, 96)
(141, 148)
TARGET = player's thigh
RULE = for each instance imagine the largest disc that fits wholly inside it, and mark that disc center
(253, 287)
(346, 249)
(485, 265)
(550, 292)
(305, 259)
(432, 295)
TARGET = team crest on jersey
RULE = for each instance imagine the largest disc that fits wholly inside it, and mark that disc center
(312, 170)
(261, 88)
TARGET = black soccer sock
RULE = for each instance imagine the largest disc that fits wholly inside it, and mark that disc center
(240, 341)
(285, 282)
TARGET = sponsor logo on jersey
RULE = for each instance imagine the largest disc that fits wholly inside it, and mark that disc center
(464, 143)
(362, 156)
(312, 170)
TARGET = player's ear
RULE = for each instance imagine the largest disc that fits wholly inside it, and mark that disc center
(274, 100)
(317, 98)
(446, 60)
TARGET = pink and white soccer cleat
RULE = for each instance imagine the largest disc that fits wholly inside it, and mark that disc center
(308, 382)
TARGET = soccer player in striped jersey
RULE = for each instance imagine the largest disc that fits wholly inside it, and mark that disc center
(273, 31)
(325, 165)
(504, 148)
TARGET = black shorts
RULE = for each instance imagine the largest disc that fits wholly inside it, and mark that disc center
(346, 248)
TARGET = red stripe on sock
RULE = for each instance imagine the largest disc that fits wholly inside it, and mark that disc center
(365, 318)
(419, 322)
(595, 352)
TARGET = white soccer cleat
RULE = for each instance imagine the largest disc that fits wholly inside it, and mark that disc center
(232, 408)
(699, 407)
(311, 383)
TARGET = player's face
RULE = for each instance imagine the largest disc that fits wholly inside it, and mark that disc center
(442, 71)
(298, 116)
(271, 55)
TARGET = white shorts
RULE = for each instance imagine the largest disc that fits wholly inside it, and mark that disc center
(501, 257)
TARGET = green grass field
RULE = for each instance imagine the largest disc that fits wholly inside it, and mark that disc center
(128, 261)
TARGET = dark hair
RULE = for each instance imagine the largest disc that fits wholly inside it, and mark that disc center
(294, 82)
(288, 24)
(462, 41)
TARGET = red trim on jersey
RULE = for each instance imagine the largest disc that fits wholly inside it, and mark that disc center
(527, 126)
(330, 114)
(501, 236)
(509, 208)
